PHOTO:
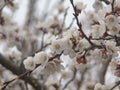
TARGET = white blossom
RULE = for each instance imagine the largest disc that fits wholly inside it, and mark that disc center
(99, 86)
(114, 30)
(117, 3)
(67, 43)
(40, 57)
(72, 33)
(57, 46)
(70, 53)
(111, 46)
(50, 67)
(29, 63)
(97, 5)
(111, 21)
(98, 30)
(82, 44)
(80, 6)
(114, 63)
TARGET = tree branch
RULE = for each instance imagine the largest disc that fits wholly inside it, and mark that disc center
(79, 24)
(18, 71)
(73, 77)
(30, 14)
(112, 5)
(117, 84)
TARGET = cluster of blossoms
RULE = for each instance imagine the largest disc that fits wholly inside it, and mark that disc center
(83, 53)
(43, 64)
(70, 43)
(101, 21)
(115, 66)
(98, 86)
(39, 58)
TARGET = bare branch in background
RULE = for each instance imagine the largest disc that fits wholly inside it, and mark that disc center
(80, 82)
(103, 70)
(70, 24)
(73, 77)
(31, 11)
(112, 5)
(45, 11)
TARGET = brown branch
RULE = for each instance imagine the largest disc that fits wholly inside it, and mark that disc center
(79, 24)
(28, 72)
(18, 71)
(101, 38)
(117, 84)
(112, 5)
(104, 68)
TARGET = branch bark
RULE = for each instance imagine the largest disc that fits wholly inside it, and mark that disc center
(31, 11)
(103, 71)
(18, 71)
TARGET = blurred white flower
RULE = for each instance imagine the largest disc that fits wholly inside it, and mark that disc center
(99, 86)
(57, 46)
(117, 3)
(112, 23)
(114, 30)
(98, 30)
(82, 44)
(12, 54)
(80, 6)
(111, 20)
(29, 63)
(40, 57)
(61, 8)
(97, 5)
(113, 64)
(67, 43)
(50, 67)
(72, 32)
(66, 74)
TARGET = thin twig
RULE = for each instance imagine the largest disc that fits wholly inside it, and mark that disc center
(117, 84)
(73, 77)
(102, 38)
(80, 82)
(104, 69)
(79, 24)
(70, 24)
(112, 5)
(26, 86)
(8, 82)
(65, 14)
